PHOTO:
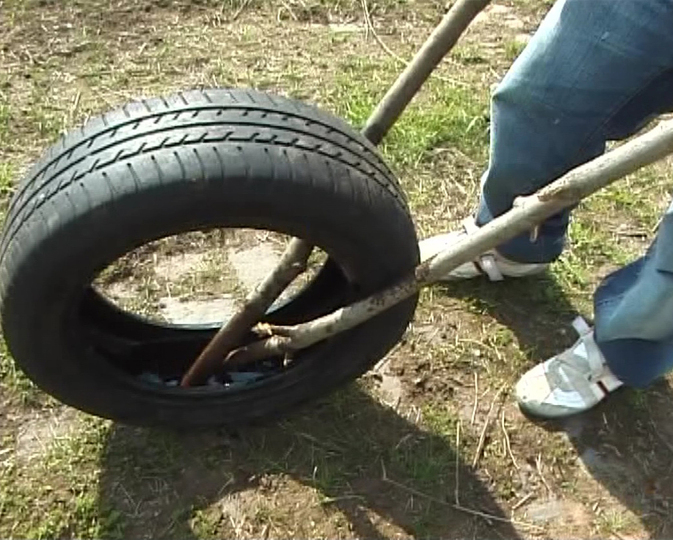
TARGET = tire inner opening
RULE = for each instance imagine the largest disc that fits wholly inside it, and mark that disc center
(152, 311)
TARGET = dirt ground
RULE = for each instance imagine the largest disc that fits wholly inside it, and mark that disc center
(429, 443)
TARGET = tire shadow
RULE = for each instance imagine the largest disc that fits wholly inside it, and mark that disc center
(370, 472)
(626, 442)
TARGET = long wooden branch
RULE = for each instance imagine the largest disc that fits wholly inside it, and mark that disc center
(407, 85)
(292, 263)
(526, 214)
(442, 39)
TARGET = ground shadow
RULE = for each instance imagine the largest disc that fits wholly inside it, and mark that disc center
(626, 443)
(384, 475)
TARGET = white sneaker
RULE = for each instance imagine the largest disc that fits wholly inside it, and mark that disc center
(569, 383)
(491, 263)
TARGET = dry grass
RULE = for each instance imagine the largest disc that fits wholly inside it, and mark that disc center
(379, 459)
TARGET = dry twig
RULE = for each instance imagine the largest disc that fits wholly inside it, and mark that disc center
(458, 507)
(287, 8)
(476, 398)
(523, 501)
(538, 466)
(240, 10)
(457, 465)
(332, 500)
(482, 437)
(369, 27)
(72, 114)
(507, 443)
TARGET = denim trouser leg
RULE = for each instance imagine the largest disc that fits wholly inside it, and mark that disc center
(634, 313)
(596, 70)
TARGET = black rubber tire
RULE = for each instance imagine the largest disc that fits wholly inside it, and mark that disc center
(196, 160)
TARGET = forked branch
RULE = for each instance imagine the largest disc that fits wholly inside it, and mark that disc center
(292, 263)
(526, 214)
(442, 39)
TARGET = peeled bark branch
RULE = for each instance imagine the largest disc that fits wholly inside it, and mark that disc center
(292, 263)
(526, 214)
(272, 346)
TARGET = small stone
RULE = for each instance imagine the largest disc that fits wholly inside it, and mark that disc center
(545, 511)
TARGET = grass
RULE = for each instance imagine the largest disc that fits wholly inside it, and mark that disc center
(350, 465)
(4, 122)
(7, 175)
(57, 496)
(442, 116)
(614, 521)
(513, 49)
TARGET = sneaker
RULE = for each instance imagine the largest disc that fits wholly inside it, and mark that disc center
(572, 382)
(491, 264)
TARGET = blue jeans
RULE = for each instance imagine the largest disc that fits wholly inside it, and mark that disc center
(596, 70)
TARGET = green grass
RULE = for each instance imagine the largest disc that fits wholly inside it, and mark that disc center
(56, 495)
(641, 198)
(7, 180)
(469, 55)
(324, 471)
(613, 522)
(4, 122)
(442, 115)
(513, 49)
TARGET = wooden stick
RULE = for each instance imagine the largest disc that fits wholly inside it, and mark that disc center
(257, 350)
(526, 214)
(398, 97)
(407, 85)
(292, 263)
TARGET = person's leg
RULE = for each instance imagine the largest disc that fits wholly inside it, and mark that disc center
(631, 344)
(586, 77)
(591, 73)
(633, 310)
(595, 71)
